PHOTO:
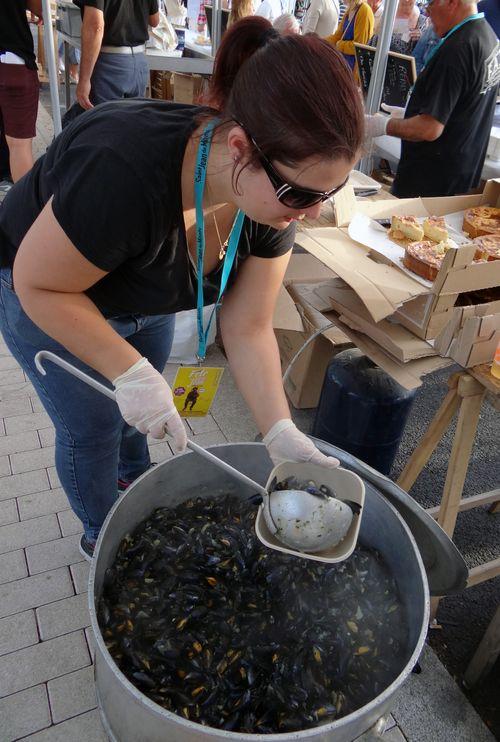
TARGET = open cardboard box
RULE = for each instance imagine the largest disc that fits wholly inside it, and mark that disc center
(384, 288)
(471, 337)
(294, 323)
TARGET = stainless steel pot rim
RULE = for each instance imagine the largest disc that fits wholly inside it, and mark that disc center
(305, 734)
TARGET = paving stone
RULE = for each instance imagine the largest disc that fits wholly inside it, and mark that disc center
(24, 484)
(89, 635)
(391, 722)
(8, 362)
(86, 727)
(32, 421)
(36, 405)
(24, 713)
(210, 439)
(8, 512)
(53, 554)
(11, 407)
(202, 424)
(393, 735)
(2, 428)
(72, 694)
(68, 522)
(31, 592)
(11, 375)
(53, 478)
(47, 437)
(160, 452)
(30, 460)
(17, 632)
(13, 566)
(80, 575)
(63, 616)
(5, 470)
(42, 503)
(26, 441)
(29, 532)
(15, 390)
(44, 661)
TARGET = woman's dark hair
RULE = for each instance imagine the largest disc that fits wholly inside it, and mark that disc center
(294, 94)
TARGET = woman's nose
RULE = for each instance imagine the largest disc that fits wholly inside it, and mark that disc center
(313, 212)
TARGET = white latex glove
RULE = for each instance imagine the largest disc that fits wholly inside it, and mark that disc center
(285, 442)
(376, 125)
(396, 111)
(145, 401)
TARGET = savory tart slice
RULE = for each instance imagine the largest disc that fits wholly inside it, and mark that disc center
(481, 220)
(435, 228)
(487, 247)
(425, 258)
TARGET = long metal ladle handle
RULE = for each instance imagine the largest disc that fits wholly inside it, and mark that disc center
(47, 355)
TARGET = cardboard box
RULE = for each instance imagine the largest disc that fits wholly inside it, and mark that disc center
(161, 85)
(384, 288)
(472, 335)
(187, 88)
(294, 323)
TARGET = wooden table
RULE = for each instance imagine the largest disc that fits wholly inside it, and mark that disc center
(467, 390)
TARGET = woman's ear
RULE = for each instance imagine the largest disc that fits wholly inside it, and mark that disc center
(238, 145)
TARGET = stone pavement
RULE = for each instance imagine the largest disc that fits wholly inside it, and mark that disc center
(46, 674)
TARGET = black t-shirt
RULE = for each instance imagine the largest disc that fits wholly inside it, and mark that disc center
(115, 175)
(458, 87)
(125, 21)
(15, 34)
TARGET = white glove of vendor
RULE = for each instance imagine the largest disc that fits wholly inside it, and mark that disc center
(285, 442)
(396, 111)
(376, 125)
(145, 401)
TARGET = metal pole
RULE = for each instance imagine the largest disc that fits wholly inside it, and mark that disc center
(51, 66)
(375, 89)
(216, 25)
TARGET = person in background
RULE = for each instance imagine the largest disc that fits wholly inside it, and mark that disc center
(408, 25)
(427, 41)
(270, 9)
(286, 24)
(446, 126)
(19, 86)
(322, 17)
(74, 61)
(113, 62)
(491, 10)
(99, 246)
(377, 7)
(356, 27)
(239, 9)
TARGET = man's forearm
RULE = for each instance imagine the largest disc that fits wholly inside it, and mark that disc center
(255, 364)
(91, 46)
(419, 128)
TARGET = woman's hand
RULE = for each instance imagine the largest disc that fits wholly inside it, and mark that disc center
(145, 401)
(285, 442)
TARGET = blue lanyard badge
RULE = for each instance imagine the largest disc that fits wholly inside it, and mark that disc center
(433, 51)
(234, 238)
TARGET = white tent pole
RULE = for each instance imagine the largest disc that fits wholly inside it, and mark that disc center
(375, 89)
(50, 57)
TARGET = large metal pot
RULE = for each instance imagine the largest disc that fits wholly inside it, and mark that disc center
(127, 714)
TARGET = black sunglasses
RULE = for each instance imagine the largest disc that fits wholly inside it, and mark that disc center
(290, 195)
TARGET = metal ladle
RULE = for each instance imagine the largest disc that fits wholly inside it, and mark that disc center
(309, 522)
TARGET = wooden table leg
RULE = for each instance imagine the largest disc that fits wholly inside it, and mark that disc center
(486, 654)
(471, 393)
(434, 434)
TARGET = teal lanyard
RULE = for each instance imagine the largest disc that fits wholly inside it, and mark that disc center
(433, 51)
(232, 248)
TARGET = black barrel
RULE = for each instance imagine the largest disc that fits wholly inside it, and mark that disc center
(362, 410)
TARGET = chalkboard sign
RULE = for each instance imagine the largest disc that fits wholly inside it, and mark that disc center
(400, 74)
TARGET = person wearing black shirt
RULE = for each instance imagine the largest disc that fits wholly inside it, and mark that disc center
(18, 83)
(101, 243)
(113, 63)
(447, 122)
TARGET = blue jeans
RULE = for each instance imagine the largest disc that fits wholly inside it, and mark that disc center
(117, 76)
(94, 446)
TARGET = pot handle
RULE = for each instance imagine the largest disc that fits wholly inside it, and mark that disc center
(446, 569)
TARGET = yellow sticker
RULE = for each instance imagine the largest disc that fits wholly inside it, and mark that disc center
(194, 389)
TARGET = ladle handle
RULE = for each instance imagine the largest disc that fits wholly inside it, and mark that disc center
(46, 354)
